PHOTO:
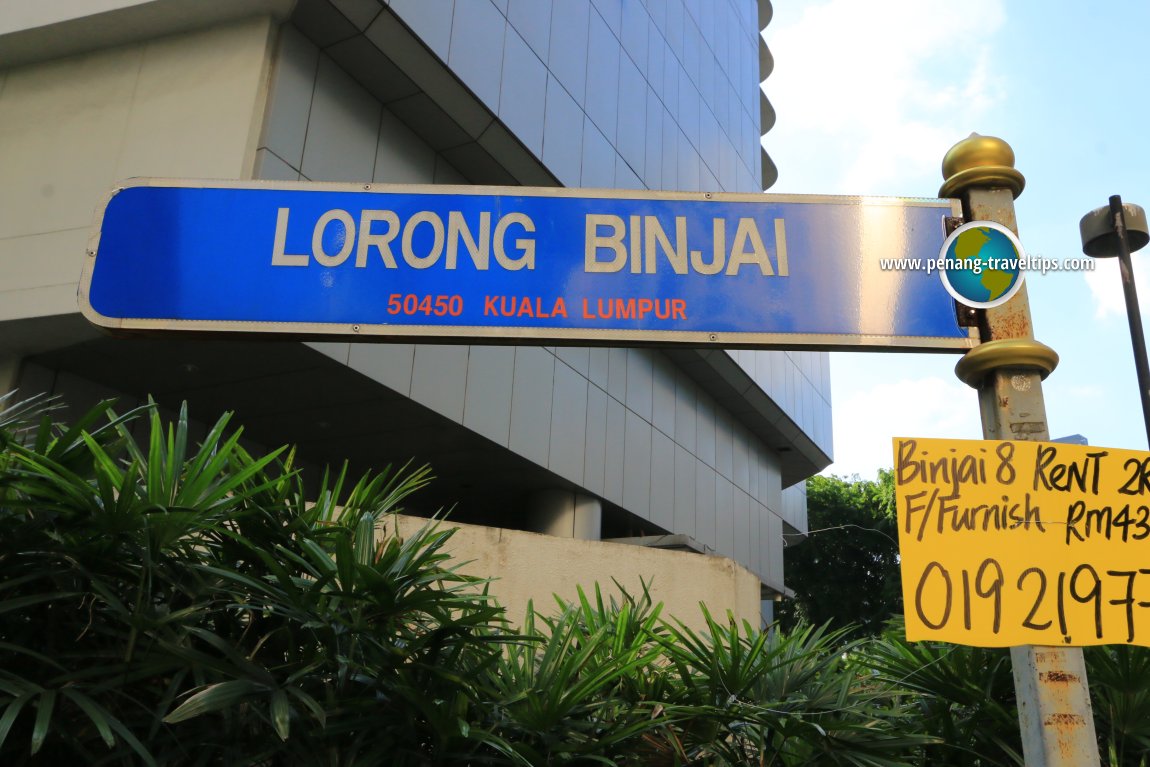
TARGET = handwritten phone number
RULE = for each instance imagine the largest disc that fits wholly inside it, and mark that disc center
(1077, 594)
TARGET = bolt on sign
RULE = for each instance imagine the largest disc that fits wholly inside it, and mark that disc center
(1013, 543)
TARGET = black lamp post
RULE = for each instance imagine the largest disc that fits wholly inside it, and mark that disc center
(1118, 230)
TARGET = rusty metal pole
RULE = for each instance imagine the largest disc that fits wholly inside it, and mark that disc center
(1007, 369)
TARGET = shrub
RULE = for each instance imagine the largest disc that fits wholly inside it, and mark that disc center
(166, 603)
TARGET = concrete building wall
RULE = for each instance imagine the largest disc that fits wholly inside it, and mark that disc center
(633, 95)
(660, 95)
(188, 105)
(624, 424)
(533, 567)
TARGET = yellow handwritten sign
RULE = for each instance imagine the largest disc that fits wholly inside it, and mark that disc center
(1013, 543)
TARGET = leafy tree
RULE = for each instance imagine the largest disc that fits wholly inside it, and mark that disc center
(846, 572)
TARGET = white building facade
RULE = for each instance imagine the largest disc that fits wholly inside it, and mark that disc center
(700, 450)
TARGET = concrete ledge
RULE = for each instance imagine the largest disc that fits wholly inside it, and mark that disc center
(39, 30)
(529, 566)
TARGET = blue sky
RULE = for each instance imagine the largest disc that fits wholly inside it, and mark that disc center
(870, 95)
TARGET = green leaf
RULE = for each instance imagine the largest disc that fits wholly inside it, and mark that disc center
(45, 707)
(310, 704)
(19, 603)
(280, 713)
(214, 697)
(11, 711)
(365, 539)
(97, 715)
(133, 742)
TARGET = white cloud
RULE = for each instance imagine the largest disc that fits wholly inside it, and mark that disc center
(868, 418)
(1105, 284)
(870, 95)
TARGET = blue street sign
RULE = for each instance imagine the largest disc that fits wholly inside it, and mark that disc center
(520, 265)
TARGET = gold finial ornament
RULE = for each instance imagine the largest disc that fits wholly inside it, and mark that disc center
(983, 161)
(987, 357)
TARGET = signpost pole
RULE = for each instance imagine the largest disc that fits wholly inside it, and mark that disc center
(1007, 369)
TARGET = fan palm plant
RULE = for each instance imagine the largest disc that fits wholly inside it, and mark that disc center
(774, 698)
(962, 695)
(574, 695)
(1120, 693)
(170, 603)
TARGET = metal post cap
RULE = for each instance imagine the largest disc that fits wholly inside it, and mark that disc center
(983, 161)
(1100, 240)
(1024, 353)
